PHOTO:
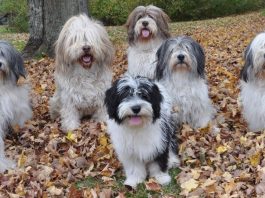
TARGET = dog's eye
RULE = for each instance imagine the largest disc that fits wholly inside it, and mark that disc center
(139, 17)
(143, 96)
(150, 16)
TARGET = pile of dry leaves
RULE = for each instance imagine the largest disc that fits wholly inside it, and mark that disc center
(222, 160)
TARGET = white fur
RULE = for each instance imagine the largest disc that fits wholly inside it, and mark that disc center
(136, 147)
(190, 98)
(142, 58)
(252, 97)
(14, 110)
(80, 91)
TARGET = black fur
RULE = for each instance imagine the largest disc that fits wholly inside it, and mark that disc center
(146, 91)
(13, 59)
(248, 64)
(165, 50)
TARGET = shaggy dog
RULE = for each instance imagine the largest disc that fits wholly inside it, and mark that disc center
(15, 106)
(141, 129)
(82, 71)
(253, 84)
(180, 68)
(147, 29)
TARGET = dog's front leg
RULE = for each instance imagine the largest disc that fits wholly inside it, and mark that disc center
(135, 171)
(4, 162)
(70, 117)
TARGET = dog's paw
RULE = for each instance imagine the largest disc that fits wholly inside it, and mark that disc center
(173, 161)
(163, 178)
(6, 164)
(133, 181)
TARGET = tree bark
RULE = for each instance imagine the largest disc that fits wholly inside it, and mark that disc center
(35, 28)
(47, 18)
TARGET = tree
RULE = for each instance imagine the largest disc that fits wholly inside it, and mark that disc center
(46, 20)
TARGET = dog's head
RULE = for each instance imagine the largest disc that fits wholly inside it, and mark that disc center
(180, 54)
(11, 63)
(146, 23)
(83, 41)
(254, 56)
(134, 101)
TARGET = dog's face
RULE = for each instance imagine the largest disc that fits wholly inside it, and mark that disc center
(254, 67)
(180, 54)
(11, 63)
(134, 102)
(146, 23)
(83, 41)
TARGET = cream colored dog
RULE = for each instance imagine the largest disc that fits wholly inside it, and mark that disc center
(82, 71)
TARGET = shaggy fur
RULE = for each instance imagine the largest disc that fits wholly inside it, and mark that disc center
(15, 106)
(253, 84)
(141, 129)
(147, 29)
(180, 68)
(82, 71)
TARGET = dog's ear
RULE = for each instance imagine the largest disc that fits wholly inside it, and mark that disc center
(162, 56)
(200, 57)
(162, 23)
(131, 21)
(19, 68)
(112, 101)
(248, 64)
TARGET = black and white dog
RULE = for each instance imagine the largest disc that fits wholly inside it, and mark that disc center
(180, 68)
(15, 106)
(141, 129)
(253, 84)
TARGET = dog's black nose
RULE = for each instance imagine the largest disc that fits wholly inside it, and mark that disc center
(136, 109)
(145, 23)
(86, 48)
(0, 64)
(181, 57)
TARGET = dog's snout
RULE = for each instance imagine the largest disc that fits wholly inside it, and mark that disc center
(181, 57)
(145, 23)
(86, 48)
(136, 109)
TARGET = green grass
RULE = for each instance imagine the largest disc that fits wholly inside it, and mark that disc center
(172, 189)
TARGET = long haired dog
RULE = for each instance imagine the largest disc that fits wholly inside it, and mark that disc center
(147, 29)
(82, 71)
(141, 129)
(180, 68)
(253, 84)
(15, 106)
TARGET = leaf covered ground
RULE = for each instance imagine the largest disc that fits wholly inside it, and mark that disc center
(222, 161)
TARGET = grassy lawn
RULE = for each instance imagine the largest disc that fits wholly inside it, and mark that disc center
(171, 189)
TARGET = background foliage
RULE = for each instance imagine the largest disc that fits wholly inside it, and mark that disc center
(115, 12)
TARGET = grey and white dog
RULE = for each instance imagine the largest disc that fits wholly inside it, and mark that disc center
(180, 68)
(83, 73)
(252, 84)
(147, 29)
(15, 106)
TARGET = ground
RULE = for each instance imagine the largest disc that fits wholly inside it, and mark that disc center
(227, 161)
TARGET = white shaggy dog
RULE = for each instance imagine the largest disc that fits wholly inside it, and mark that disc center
(180, 68)
(147, 29)
(82, 71)
(141, 129)
(253, 84)
(15, 106)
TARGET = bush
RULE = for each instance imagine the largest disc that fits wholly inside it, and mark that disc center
(18, 14)
(115, 12)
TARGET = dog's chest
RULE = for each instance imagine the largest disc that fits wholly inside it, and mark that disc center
(141, 62)
(142, 144)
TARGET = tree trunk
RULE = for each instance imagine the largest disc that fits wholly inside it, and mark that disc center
(35, 28)
(48, 24)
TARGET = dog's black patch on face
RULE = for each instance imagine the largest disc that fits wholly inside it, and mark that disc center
(121, 90)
